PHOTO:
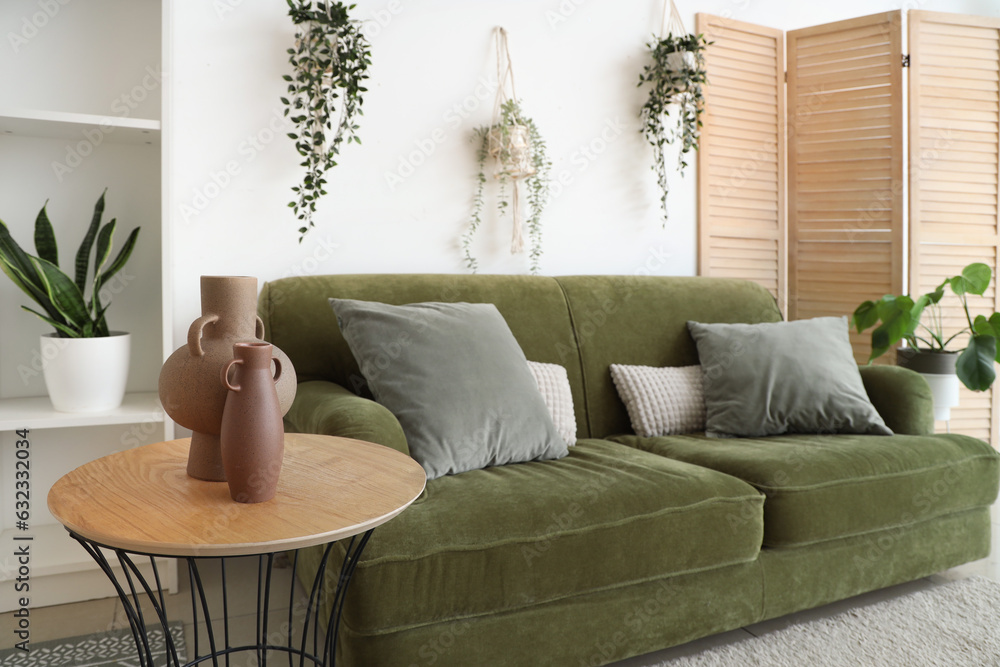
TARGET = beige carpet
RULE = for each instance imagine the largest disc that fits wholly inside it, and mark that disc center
(952, 625)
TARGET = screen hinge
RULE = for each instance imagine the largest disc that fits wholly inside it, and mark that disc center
(906, 60)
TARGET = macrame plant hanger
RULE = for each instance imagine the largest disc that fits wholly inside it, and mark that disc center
(509, 145)
(671, 24)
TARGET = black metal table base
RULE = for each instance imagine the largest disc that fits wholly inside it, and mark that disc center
(304, 641)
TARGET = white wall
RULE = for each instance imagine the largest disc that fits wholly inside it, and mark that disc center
(577, 64)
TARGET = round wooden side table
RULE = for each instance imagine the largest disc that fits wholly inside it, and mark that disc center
(140, 503)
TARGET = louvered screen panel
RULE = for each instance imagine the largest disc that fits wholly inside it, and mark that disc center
(845, 166)
(741, 194)
(954, 116)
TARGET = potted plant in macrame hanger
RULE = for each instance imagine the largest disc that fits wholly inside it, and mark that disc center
(512, 140)
(673, 108)
(330, 64)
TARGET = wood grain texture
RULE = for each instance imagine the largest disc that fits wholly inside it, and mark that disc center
(741, 161)
(954, 188)
(142, 500)
(845, 167)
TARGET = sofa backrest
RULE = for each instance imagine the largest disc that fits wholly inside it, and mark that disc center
(642, 321)
(584, 323)
(299, 320)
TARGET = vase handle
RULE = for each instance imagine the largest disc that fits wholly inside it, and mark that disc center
(225, 375)
(195, 333)
(277, 368)
(259, 329)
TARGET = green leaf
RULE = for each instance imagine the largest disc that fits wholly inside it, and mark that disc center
(16, 264)
(45, 237)
(63, 293)
(977, 278)
(982, 326)
(918, 309)
(865, 316)
(83, 254)
(119, 261)
(897, 323)
(59, 326)
(104, 240)
(975, 363)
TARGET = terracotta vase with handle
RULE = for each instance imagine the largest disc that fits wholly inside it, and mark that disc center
(189, 385)
(253, 436)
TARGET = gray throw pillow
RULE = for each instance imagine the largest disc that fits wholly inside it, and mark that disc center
(782, 377)
(455, 378)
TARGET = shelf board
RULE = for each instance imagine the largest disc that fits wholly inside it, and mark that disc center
(80, 126)
(37, 413)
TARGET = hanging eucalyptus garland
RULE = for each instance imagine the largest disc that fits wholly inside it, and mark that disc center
(676, 74)
(514, 142)
(330, 62)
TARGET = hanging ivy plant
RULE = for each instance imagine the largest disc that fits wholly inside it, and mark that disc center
(673, 109)
(330, 62)
(520, 154)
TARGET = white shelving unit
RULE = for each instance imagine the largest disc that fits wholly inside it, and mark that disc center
(82, 114)
(37, 413)
(63, 125)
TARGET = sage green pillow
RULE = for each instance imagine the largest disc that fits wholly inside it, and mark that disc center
(455, 378)
(782, 377)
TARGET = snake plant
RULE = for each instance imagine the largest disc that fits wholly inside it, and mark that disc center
(60, 297)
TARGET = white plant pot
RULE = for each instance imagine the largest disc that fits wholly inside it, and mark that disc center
(945, 389)
(86, 374)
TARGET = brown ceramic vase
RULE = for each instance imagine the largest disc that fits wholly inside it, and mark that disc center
(189, 385)
(253, 436)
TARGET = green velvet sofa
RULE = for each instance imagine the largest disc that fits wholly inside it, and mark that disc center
(627, 545)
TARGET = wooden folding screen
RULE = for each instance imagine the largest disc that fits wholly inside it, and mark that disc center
(845, 166)
(954, 111)
(844, 106)
(742, 154)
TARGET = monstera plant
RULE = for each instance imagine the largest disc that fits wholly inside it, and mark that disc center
(919, 322)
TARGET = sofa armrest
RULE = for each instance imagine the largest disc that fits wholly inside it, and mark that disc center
(903, 398)
(329, 409)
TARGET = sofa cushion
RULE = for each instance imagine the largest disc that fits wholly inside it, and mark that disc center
(553, 385)
(821, 487)
(497, 539)
(661, 401)
(456, 380)
(782, 377)
(642, 321)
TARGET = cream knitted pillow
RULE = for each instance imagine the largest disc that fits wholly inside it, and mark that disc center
(661, 401)
(553, 385)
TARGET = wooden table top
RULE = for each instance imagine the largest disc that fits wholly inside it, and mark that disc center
(143, 501)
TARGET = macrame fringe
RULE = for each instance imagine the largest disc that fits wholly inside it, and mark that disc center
(511, 149)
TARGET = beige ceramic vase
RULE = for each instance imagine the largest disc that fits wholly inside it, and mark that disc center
(190, 390)
(253, 436)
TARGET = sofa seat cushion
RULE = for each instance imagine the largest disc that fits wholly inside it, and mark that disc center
(496, 539)
(821, 487)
